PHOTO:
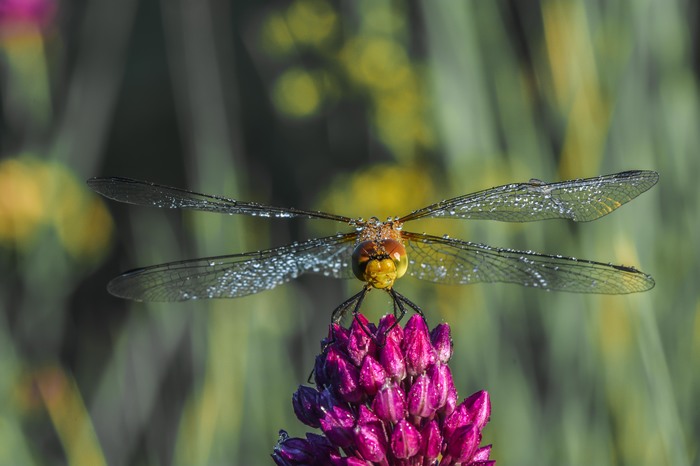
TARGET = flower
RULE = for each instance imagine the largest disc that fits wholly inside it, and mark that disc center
(384, 395)
(38, 12)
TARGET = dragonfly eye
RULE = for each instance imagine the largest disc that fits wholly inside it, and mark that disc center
(397, 253)
(379, 264)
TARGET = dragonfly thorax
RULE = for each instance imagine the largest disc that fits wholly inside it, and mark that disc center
(379, 263)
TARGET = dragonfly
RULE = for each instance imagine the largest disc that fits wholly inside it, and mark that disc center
(380, 253)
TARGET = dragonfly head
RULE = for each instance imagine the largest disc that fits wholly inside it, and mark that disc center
(379, 263)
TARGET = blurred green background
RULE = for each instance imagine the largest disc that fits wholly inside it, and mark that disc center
(360, 108)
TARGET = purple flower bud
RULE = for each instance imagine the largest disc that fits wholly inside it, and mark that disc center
(350, 461)
(396, 333)
(344, 376)
(323, 448)
(306, 404)
(337, 424)
(359, 342)
(457, 419)
(291, 450)
(417, 347)
(478, 408)
(462, 444)
(451, 402)
(367, 416)
(338, 335)
(392, 359)
(442, 342)
(321, 378)
(372, 376)
(370, 437)
(405, 440)
(421, 397)
(482, 454)
(441, 383)
(316, 449)
(389, 404)
(432, 441)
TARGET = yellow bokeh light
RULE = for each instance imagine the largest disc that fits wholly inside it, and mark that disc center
(275, 35)
(377, 62)
(382, 190)
(22, 203)
(35, 194)
(311, 22)
(296, 93)
(83, 224)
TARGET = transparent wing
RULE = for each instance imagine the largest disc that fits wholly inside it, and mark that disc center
(238, 274)
(579, 200)
(154, 195)
(451, 261)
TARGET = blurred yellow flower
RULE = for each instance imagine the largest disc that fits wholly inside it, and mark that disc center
(82, 222)
(401, 123)
(275, 35)
(377, 62)
(311, 22)
(381, 190)
(22, 203)
(35, 194)
(296, 93)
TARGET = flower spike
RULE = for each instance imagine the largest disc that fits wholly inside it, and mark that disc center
(385, 396)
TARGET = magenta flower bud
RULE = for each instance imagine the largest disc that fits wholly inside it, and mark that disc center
(344, 375)
(372, 376)
(482, 454)
(457, 419)
(307, 406)
(405, 440)
(349, 461)
(441, 383)
(451, 402)
(337, 424)
(392, 358)
(370, 437)
(417, 347)
(338, 335)
(478, 408)
(442, 342)
(431, 441)
(359, 343)
(421, 397)
(389, 404)
(367, 416)
(462, 444)
(396, 333)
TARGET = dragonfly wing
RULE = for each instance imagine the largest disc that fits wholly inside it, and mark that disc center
(238, 274)
(451, 261)
(580, 200)
(155, 195)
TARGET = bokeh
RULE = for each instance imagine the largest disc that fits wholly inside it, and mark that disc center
(360, 108)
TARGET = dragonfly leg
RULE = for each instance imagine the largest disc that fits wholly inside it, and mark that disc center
(355, 300)
(400, 300)
(356, 311)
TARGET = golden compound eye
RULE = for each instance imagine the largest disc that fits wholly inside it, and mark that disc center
(397, 253)
(379, 264)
